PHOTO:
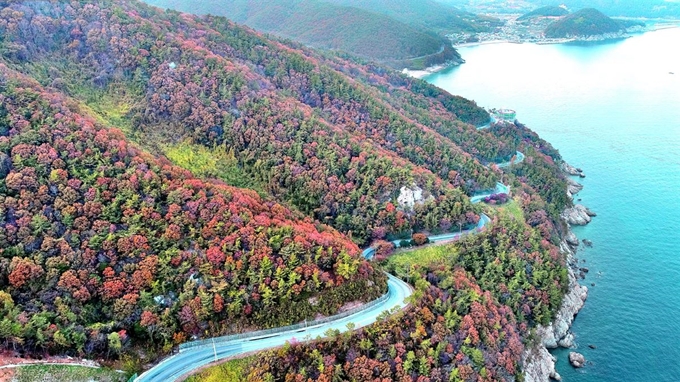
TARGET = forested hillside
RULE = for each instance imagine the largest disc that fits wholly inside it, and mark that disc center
(108, 246)
(467, 325)
(336, 147)
(476, 303)
(104, 247)
(320, 24)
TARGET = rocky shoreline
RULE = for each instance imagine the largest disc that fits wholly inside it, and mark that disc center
(538, 363)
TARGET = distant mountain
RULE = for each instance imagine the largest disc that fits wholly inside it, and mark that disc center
(321, 24)
(429, 14)
(586, 22)
(496, 6)
(636, 8)
(546, 11)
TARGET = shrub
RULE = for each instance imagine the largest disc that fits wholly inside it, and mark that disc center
(420, 239)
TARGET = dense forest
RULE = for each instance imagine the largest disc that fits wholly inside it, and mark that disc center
(103, 244)
(476, 302)
(128, 135)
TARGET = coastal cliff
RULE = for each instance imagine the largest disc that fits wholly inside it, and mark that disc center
(538, 363)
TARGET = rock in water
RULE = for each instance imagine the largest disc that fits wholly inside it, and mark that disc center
(571, 170)
(572, 239)
(577, 215)
(567, 341)
(539, 365)
(587, 243)
(573, 187)
(577, 360)
(592, 346)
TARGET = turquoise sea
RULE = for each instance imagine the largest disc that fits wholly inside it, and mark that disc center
(612, 109)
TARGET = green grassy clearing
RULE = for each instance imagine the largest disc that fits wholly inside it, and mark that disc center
(71, 373)
(205, 162)
(232, 370)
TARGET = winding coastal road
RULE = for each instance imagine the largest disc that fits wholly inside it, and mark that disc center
(500, 189)
(186, 361)
(192, 358)
(483, 221)
(519, 158)
(492, 120)
(369, 252)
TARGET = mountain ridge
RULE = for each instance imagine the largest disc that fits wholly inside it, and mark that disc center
(323, 24)
(547, 11)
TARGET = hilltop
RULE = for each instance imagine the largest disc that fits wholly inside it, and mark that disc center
(167, 176)
(321, 24)
(547, 11)
(586, 22)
